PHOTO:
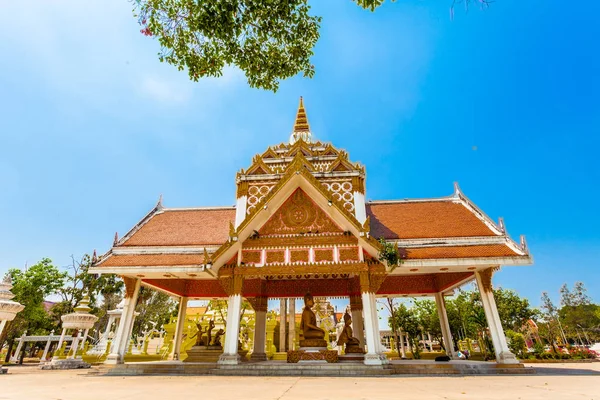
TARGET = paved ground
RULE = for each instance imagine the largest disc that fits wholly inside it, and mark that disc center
(555, 381)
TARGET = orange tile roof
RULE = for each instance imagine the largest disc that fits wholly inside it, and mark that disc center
(424, 219)
(488, 250)
(149, 260)
(185, 228)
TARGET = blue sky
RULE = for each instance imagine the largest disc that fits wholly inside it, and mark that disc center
(94, 128)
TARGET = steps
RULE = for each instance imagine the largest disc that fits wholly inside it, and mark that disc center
(274, 368)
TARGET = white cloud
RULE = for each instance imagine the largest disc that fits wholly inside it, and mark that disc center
(166, 91)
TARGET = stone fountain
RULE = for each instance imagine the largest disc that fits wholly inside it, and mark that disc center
(78, 321)
(8, 308)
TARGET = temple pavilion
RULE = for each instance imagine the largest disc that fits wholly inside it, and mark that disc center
(301, 224)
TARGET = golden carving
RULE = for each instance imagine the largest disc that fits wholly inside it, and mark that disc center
(356, 303)
(251, 256)
(486, 279)
(232, 231)
(242, 189)
(275, 256)
(348, 253)
(367, 225)
(299, 240)
(299, 215)
(259, 303)
(130, 284)
(375, 281)
(365, 284)
(298, 166)
(358, 183)
(299, 255)
(323, 255)
(232, 284)
(295, 270)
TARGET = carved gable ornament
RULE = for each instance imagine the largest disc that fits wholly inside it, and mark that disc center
(299, 215)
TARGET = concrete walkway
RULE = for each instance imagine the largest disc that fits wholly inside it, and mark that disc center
(555, 381)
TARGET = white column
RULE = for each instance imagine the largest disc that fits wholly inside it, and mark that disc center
(282, 324)
(445, 325)
(121, 340)
(402, 345)
(358, 326)
(60, 343)
(2, 325)
(230, 349)
(360, 210)
(260, 336)
(503, 354)
(85, 336)
(372, 356)
(47, 348)
(75, 345)
(181, 317)
(292, 324)
(240, 210)
(111, 319)
(375, 316)
(15, 358)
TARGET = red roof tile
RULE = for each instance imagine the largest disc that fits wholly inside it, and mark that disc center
(426, 219)
(488, 250)
(185, 228)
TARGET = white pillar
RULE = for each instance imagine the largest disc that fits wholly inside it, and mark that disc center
(445, 325)
(375, 316)
(75, 345)
(358, 327)
(292, 324)
(47, 348)
(15, 358)
(121, 340)
(2, 325)
(372, 355)
(181, 318)
(60, 343)
(111, 319)
(260, 336)
(240, 210)
(402, 345)
(360, 210)
(282, 324)
(85, 336)
(230, 350)
(484, 283)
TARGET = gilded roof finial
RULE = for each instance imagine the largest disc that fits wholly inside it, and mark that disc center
(301, 129)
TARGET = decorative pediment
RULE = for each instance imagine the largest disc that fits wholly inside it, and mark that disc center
(341, 163)
(258, 167)
(299, 215)
(269, 154)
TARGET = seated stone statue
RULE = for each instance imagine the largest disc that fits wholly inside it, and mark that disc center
(352, 344)
(217, 341)
(311, 333)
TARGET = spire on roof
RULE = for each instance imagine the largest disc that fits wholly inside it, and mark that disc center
(301, 128)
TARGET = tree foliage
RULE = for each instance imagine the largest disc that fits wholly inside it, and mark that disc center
(30, 287)
(268, 40)
(155, 309)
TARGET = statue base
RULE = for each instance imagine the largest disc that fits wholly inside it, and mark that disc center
(318, 355)
(69, 363)
(354, 350)
(229, 359)
(352, 358)
(204, 354)
(313, 343)
(258, 357)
